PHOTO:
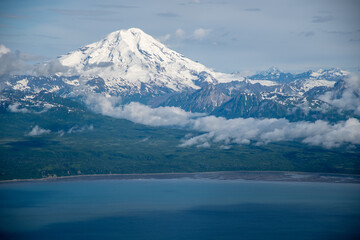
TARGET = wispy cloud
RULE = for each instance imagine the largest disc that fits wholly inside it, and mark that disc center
(200, 33)
(208, 2)
(167, 14)
(164, 38)
(46, 36)
(252, 9)
(13, 16)
(307, 34)
(81, 12)
(36, 131)
(339, 32)
(322, 19)
(77, 129)
(13, 35)
(116, 6)
(180, 33)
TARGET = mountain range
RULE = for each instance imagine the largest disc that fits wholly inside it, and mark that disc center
(136, 67)
(103, 109)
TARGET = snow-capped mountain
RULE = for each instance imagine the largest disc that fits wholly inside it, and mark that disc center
(333, 74)
(131, 61)
(133, 65)
(274, 74)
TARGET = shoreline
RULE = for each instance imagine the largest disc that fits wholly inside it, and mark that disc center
(276, 176)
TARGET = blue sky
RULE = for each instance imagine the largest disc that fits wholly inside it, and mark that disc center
(226, 35)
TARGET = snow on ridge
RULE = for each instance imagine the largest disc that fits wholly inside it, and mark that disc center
(302, 86)
(308, 84)
(332, 72)
(134, 57)
(22, 85)
(73, 82)
(263, 82)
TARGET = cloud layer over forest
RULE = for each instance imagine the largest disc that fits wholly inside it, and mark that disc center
(348, 98)
(231, 131)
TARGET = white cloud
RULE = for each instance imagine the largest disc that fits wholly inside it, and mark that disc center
(263, 131)
(139, 113)
(15, 63)
(77, 129)
(36, 131)
(61, 133)
(180, 33)
(51, 68)
(349, 99)
(232, 131)
(201, 33)
(11, 63)
(4, 50)
(16, 108)
(164, 38)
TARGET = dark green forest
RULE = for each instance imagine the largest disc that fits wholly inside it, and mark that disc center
(82, 142)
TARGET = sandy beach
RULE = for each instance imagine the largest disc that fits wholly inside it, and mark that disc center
(228, 175)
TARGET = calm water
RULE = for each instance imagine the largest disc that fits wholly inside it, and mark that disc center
(179, 209)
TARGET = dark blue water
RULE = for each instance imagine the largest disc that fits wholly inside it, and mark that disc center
(179, 209)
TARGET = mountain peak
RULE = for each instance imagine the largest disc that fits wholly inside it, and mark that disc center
(131, 33)
(132, 30)
(271, 71)
(330, 73)
(133, 58)
(117, 48)
(135, 30)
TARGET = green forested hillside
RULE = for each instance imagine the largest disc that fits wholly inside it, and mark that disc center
(81, 142)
